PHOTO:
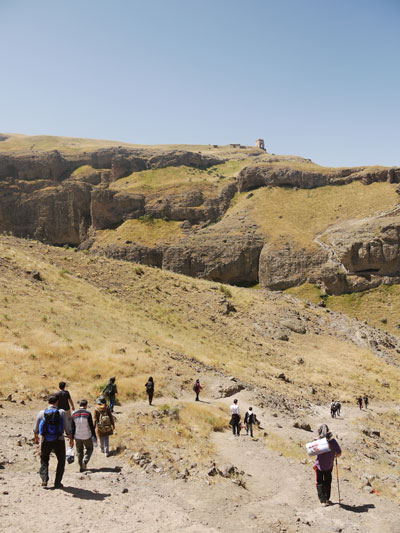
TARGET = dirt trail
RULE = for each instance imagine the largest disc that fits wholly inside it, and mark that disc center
(115, 496)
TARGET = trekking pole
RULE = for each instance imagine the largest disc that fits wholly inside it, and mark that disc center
(337, 477)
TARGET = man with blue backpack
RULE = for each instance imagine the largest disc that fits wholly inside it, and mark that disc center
(50, 424)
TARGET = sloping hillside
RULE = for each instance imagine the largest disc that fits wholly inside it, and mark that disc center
(234, 215)
(72, 315)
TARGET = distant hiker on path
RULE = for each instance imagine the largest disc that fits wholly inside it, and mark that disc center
(197, 388)
(84, 434)
(250, 419)
(338, 407)
(324, 465)
(359, 401)
(110, 391)
(150, 389)
(65, 402)
(365, 401)
(104, 422)
(333, 409)
(235, 418)
(50, 424)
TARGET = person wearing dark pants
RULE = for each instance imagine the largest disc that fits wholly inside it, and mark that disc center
(110, 391)
(50, 424)
(324, 465)
(84, 434)
(365, 401)
(58, 447)
(235, 419)
(250, 419)
(65, 402)
(323, 482)
(197, 388)
(150, 389)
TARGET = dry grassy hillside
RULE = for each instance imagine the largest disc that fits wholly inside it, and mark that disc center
(91, 317)
(297, 216)
(88, 318)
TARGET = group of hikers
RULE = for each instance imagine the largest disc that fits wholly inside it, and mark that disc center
(335, 408)
(360, 400)
(84, 431)
(81, 428)
(250, 419)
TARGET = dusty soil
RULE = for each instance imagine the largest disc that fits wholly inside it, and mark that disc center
(113, 495)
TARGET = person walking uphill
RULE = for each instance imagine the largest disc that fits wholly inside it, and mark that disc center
(235, 419)
(65, 402)
(150, 389)
(365, 401)
(84, 434)
(50, 424)
(324, 465)
(110, 390)
(104, 422)
(197, 388)
(250, 419)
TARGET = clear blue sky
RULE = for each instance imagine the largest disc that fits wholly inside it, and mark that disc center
(318, 78)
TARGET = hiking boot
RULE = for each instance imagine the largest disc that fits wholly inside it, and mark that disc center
(44, 484)
(324, 504)
(58, 485)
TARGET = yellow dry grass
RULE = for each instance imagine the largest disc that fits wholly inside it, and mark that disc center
(19, 143)
(180, 176)
(177, 435)
(93, 317)
(148, 232)
(297, 216)
(379, 307)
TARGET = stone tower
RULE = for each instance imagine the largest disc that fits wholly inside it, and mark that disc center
(260, 144)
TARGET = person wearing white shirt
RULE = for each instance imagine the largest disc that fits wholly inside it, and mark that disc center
(235, 420)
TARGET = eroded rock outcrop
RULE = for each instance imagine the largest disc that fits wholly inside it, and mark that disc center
(65, 198)
(56, 215)
(109, 207)
(217, 254)
(255, 176)
(287, 266)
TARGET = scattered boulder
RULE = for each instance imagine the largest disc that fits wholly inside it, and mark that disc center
(302, 425)
(284, 378)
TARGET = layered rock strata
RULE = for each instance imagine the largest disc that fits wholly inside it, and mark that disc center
(65, 199)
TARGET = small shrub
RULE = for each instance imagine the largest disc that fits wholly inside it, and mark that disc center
(146, 219)
(225, 291)
(165, 409)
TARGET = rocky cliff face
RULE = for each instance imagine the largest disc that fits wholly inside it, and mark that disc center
(253, 177)
(49, 197)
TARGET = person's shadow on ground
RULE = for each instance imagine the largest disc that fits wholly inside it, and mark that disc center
(203, 401)
(115, 469)
(84, 494)
(357, 508)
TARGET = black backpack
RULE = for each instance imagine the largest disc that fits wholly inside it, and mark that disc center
(250, 418)
(149, 386)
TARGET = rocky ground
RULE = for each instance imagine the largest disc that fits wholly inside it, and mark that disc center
(254, 488)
